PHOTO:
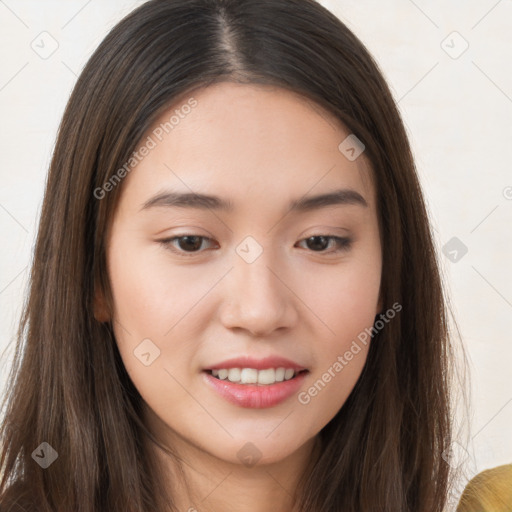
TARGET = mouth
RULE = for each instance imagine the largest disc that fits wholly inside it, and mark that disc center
(255, 377)
(255, 389)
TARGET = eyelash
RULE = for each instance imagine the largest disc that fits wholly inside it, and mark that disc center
(344, 244)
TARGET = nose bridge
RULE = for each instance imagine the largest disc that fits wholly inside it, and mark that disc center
(257, 299)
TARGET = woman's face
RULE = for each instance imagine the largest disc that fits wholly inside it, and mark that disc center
(197, 285)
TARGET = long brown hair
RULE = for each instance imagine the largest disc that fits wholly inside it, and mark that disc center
(68, 386)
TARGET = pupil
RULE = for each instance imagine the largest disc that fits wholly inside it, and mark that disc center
(320, 246)
(195, 246)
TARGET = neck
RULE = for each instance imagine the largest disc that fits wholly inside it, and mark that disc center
(205, 483)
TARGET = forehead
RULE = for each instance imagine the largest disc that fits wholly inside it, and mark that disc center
(244, 142)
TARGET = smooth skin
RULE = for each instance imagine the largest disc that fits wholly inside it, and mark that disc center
(201, 303)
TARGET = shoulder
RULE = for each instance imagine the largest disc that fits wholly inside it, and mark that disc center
(488, 491)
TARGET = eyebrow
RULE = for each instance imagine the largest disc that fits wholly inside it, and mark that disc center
(170, 199)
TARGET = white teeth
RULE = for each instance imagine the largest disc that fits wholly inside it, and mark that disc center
(248, 376)
(234, 374)
(252, 376)
(267, 376)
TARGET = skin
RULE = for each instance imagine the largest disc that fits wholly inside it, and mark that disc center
(259, 147)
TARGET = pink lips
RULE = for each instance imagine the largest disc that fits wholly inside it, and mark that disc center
(252, 395)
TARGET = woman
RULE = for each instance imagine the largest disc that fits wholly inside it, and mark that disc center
(179, 352)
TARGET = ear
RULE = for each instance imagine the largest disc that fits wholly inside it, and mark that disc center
(100, 308)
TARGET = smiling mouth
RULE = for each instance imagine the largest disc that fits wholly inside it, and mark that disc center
(251, 376)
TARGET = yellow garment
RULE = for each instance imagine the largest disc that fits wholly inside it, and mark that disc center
(489, 491)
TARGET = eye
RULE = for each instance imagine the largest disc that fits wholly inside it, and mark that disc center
(318, 243)
(188, 245)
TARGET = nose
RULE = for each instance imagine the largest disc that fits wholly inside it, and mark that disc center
(258, 298)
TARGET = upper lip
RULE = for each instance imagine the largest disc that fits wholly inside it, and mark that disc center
(257, 364)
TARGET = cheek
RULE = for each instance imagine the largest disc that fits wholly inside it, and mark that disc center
(146, 307)
(148, 300)
(341, 353)
(345, 296)
(331, 384)
(152, 301)
(346, 302)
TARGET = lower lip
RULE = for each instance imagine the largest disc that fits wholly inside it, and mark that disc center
(253, 396)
